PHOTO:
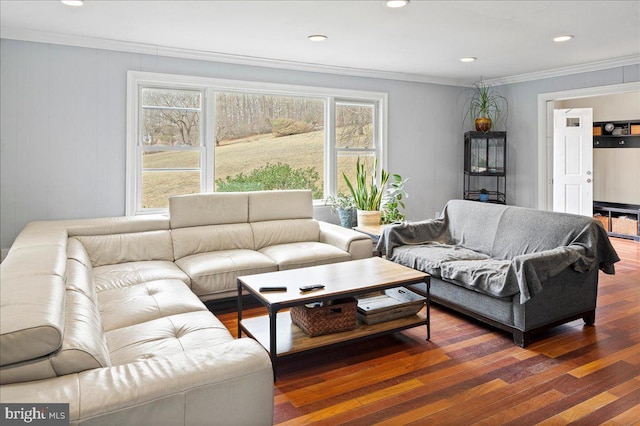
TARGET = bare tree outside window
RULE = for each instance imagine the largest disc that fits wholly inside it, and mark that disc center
(170, 118)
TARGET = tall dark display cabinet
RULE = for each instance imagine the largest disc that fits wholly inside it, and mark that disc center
(485, 168)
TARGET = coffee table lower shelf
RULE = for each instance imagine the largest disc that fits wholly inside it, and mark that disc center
(291, 339)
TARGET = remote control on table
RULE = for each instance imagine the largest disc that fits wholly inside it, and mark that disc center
(306, 288)
(265, 289)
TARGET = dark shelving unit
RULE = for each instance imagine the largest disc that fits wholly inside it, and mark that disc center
(485, 157)
(616, 134)
(619, 220)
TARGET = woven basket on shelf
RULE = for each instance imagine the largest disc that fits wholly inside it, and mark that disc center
(338, 316)
(622, 225)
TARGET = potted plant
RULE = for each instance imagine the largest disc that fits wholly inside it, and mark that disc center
(484, 195)
(367, 193)
(485, 106)
(345, 207)
(393, 201)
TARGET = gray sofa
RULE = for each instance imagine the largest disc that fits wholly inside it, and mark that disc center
(518, 269)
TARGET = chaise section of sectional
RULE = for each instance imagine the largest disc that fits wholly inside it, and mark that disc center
(137, 348)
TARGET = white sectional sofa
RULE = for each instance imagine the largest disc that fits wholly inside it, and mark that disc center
(108, 315)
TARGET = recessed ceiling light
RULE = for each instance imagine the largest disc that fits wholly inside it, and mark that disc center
(396, 3)
(562, 38)
(317, 37)
(73, 2)
(469, 59)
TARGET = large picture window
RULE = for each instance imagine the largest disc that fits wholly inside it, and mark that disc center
(188, 135)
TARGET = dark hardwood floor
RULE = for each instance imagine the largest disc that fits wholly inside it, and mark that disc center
(469, 373)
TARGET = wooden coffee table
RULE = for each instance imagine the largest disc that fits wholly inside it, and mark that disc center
(280, 337)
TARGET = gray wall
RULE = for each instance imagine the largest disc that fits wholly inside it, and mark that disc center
(522, 125)
(63, 116)
(62, 139)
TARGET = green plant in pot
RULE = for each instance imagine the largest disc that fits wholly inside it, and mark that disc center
(393, 200)
(367, 193)
(485, 106)
(345, 207)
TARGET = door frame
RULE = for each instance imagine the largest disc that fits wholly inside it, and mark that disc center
(545, 139)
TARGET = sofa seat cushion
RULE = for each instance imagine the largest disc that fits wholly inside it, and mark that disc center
(430, 257)
(484, 276)
(218, 271)
(303, 254)
(166, 336)
(135, 304)
(130, 273)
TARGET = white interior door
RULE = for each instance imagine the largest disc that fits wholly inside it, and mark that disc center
(573, 161)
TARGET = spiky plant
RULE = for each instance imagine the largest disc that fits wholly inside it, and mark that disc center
(366, 193)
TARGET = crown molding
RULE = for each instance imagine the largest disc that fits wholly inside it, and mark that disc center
(150, 49)
(560, 72)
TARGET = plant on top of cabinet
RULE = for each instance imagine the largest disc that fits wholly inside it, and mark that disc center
(485, 106)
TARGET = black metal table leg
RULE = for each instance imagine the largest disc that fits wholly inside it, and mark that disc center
(273, 349)
(239, 309)
(428, 283)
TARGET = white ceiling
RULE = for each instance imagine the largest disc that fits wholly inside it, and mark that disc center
(423, 41)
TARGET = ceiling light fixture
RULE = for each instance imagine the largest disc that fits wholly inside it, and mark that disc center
(396, 3)
(468, 59)
(562, 38)
(317, 37)
(73, 2)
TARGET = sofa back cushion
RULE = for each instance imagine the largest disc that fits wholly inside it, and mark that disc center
(523, 230)
(274, 232)
(208, 209)
(116, 225)
(278, 205)
(131, 247)
(202, 239)
(472, 224)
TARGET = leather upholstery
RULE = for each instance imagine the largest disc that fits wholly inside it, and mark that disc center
(204, 239)
(276, 232)
(115, 225)
(208, 209)
(133, 247)
(83, 346)
(135, 304)
(304, 254)
(278, 205)
(32, 317)
(36, 260)
(218, 271)
(107, 314)
(130, 273)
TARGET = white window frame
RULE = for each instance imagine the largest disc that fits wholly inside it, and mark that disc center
(136, 80)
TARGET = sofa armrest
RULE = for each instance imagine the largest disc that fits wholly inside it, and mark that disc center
(356, 243)
(530, 270)
(412, 233)
(196, 387)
